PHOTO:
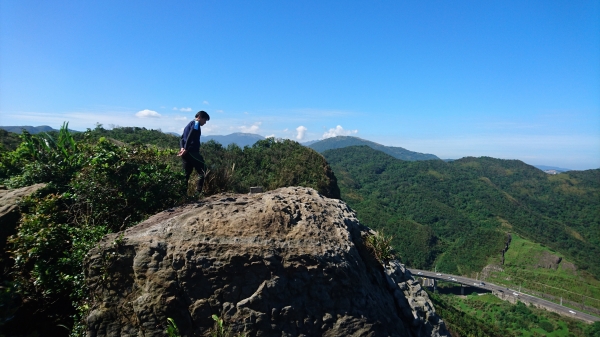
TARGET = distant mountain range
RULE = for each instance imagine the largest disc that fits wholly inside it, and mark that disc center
(547, 169)
(551, 168)
(31, 129)
(346, 141)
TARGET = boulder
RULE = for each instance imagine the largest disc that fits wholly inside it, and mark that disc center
(288, 262)
(10, 215)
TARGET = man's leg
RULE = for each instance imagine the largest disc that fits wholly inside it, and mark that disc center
(200, 167)
(188, 167)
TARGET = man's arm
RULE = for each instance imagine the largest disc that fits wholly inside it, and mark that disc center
(183, 140)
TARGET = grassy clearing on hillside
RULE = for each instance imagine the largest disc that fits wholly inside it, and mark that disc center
(521, 268)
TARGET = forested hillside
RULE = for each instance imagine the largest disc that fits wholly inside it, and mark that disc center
(455, 215)
(132, 135)
(8, 140)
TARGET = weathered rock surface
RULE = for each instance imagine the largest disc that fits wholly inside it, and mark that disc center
(288, 262)
(10, 214)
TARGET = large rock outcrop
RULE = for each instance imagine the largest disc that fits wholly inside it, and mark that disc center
(288, 262)
(10, 215)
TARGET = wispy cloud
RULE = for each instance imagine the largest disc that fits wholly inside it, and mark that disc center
(301, 131)
(181, 118)
(251, 129)
(205, 102)
(338, 131)
(182, 109)
(147, 114)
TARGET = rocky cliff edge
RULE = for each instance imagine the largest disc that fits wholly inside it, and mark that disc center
(288, 262)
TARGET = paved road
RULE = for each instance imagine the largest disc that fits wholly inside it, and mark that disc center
(508, 293)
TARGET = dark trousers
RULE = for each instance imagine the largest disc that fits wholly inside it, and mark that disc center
(193, 161)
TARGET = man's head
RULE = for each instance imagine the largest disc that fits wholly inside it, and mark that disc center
(202, 117)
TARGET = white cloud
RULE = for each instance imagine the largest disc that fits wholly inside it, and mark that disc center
(208, 128)
(175, 108)
(251, 129)
(301, 132)
(245, 112)
(181, 118)
(185, 109)
(338, 131)
(219, 111)
(205, 102)
(270, 136)
(147, 114)
(285, 130)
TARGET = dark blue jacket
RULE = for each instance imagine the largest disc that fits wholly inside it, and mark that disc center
(190, 139)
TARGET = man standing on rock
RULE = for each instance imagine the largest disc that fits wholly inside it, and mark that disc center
(190, 149)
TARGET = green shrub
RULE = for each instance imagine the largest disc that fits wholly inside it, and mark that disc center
(172, 329)
(381, 246)
(120, 186)
(547, 326)
(220, 329)
(593, 330)
(269, 163)
(42, 158)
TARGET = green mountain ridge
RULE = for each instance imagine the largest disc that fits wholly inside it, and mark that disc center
(346, 141)
(31, 129)
(455, 215)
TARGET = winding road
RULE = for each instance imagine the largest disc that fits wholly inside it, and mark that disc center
(506, 294)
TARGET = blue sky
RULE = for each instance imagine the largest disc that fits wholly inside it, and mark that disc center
(506, 79)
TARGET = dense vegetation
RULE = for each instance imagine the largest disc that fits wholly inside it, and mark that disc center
(97, 186)
(487, 315)
(456, 215)
(133, 136)
(8, 140)
(345, 141)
